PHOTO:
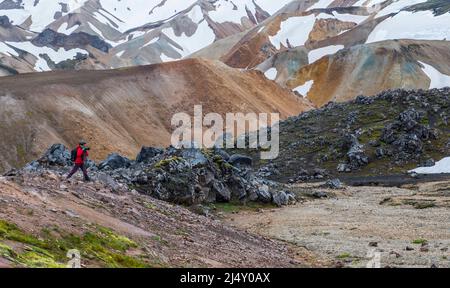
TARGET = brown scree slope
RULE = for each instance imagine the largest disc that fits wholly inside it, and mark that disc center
(121, 110)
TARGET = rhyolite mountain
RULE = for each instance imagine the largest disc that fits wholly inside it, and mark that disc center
(123, 110)
(284, 56)
(299, 44)
(102, 34)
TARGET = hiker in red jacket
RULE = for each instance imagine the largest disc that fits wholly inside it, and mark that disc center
(79, 156)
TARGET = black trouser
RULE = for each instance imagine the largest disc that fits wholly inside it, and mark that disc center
(76, 168)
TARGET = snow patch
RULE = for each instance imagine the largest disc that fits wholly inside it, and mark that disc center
(438, 80)
(154, 40)
(295, 30)
(316, 54)
(305, 88)
(43, 12)
(56, 56)
(165, 58)
(441, 167)
(421, 25)
(16, 16)
(272, 6)
(6, 49)
(321, 4)
(63, 29)
(202, 37)
(398, 6)
(135, 13)
(368, 3)
(343, 17)
(271, 73)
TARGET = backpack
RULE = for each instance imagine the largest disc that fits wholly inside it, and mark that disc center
(73, 155)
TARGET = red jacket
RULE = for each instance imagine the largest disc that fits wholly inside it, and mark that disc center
(81, 155)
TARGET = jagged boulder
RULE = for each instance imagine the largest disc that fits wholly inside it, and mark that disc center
(406, 135)
(222, 192)
(114, 161)
(264, 194)
(334, 184)
(283, 198)
(356, 155)
(222, 153)
(240, 160)
(343, 167)
(57, 154)
(195, 157)
(148, 153)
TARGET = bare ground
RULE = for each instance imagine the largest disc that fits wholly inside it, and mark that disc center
(167, 235)
(343, 228)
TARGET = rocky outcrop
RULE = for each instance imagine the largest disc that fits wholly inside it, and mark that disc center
(148, 153)
(54, 39)
(55, 156)
(192, 177)
(407, 135)
(114, 162)
(187, 176)
(240, 160)
(356, 155)
(390, 133)
(4, 22)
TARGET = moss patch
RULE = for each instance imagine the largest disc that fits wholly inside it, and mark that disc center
(420, 241)
(101, 246)
(165, 162)
(344, 256)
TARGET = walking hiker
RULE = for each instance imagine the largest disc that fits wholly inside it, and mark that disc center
(79, 156)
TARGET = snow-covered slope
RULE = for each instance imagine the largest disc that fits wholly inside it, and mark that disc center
(304, 32)
(102, 34)
(325, 24)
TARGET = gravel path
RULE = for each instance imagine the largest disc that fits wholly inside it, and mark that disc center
(346, 228)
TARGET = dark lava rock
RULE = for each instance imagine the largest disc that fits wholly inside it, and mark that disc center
(334, 184)
(57, 154)
(222, 153)
(356, 154)
(4, 22)
(194, 156)
(373, 244)
(240, 160)
(283, 198)
(51, 38)
(320, 195)
(148, 153)
(406, 135)
(114, 161)
(363, 100)
(429, 163)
